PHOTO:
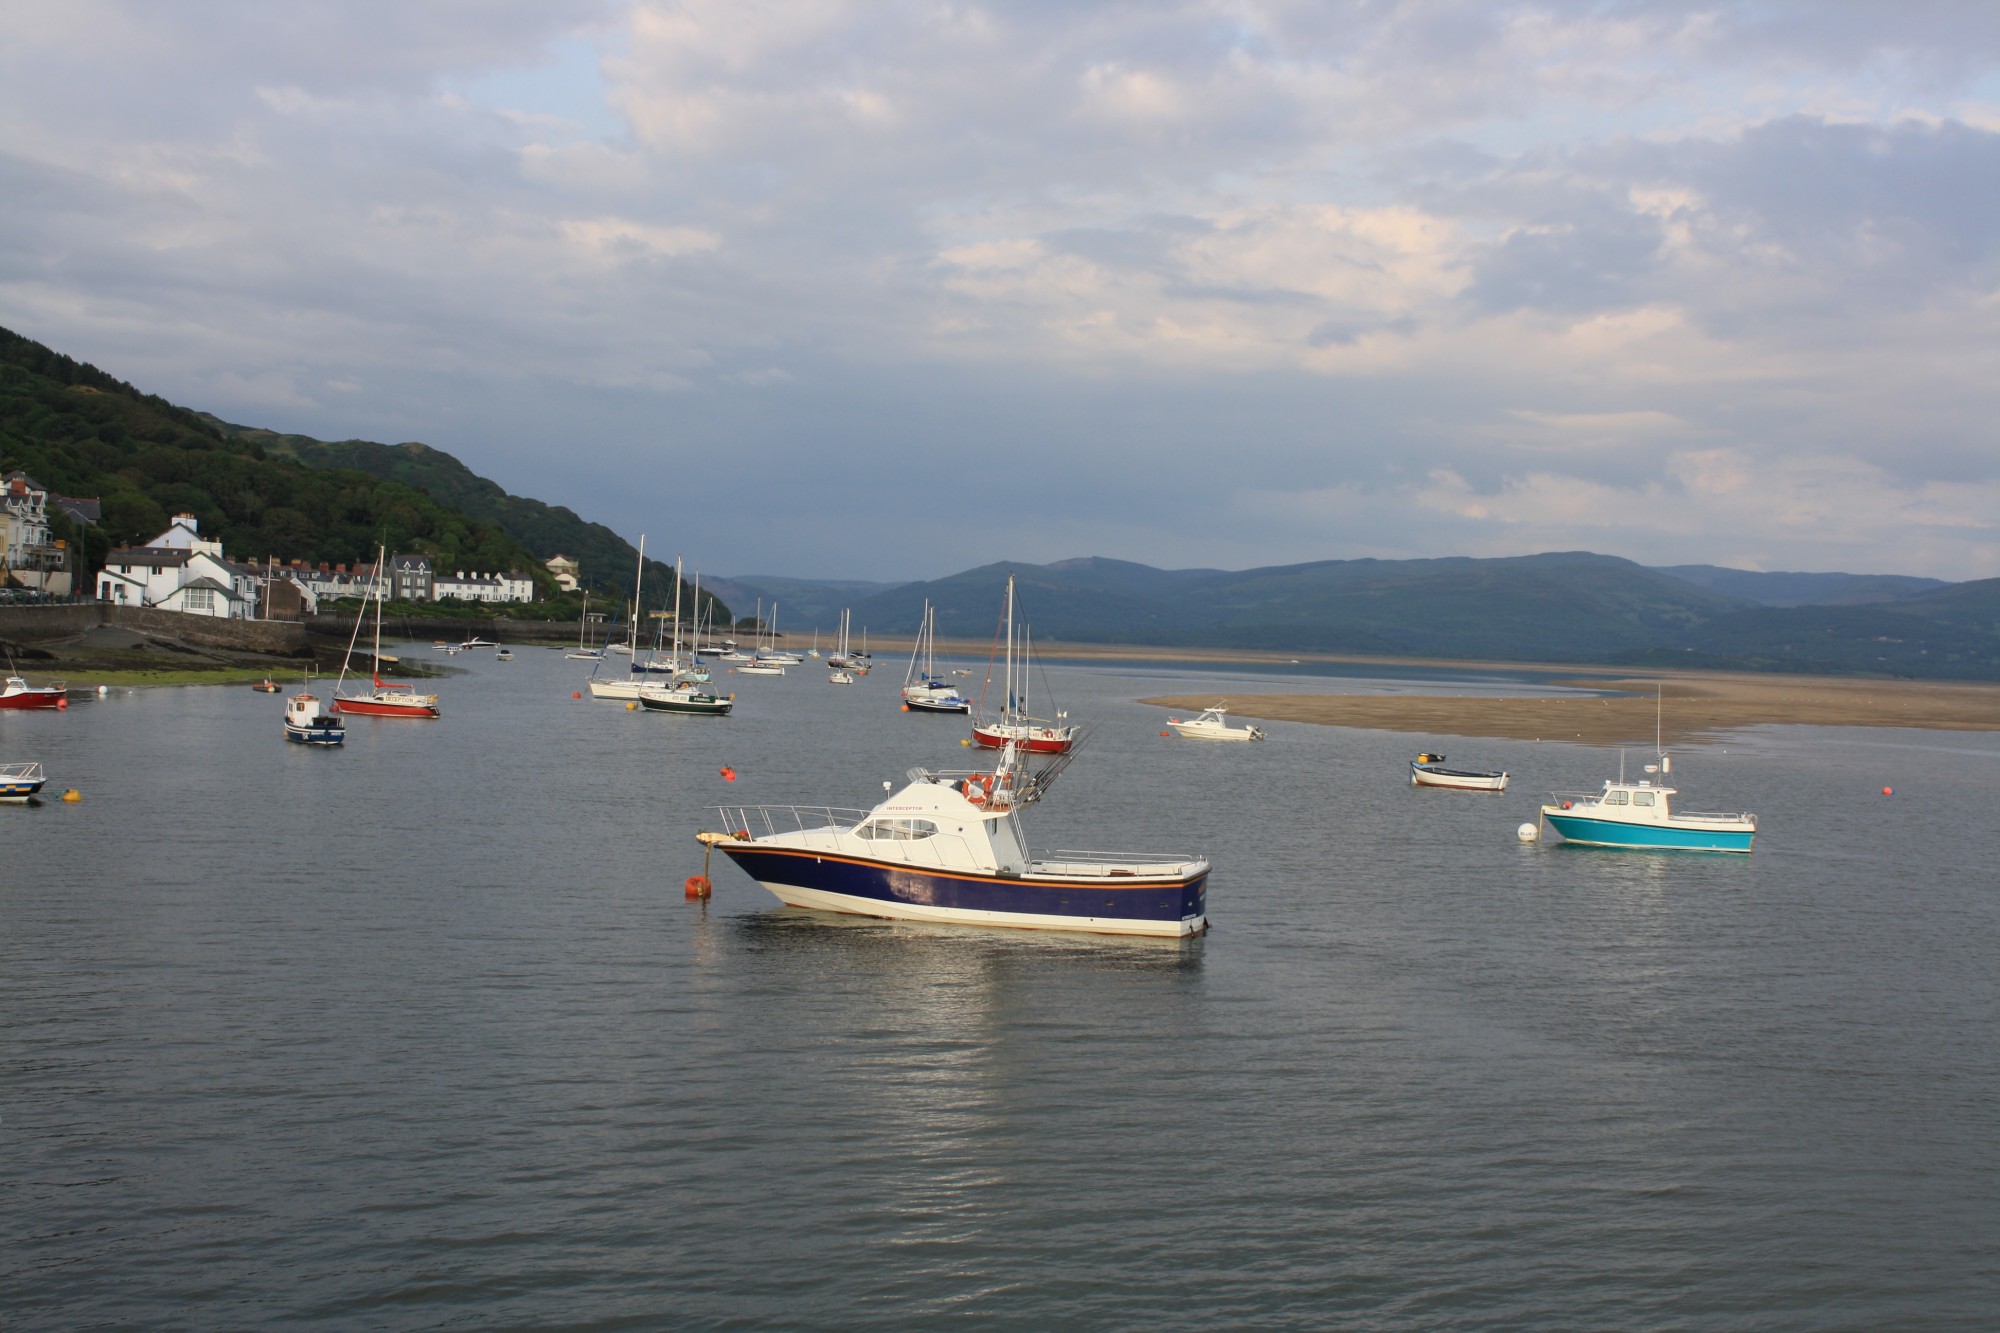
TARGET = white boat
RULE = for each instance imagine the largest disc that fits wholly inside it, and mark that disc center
(20, 782)
(839, 677)
(760, 668)
(584, 650)
(627, 689)
(949, 847)
(1428, 770)
(1213, 725)
(306, 723)
(924, 690)
(504, 655)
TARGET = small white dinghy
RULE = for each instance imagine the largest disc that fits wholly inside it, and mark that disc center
(1428, 770)
(1213, 725)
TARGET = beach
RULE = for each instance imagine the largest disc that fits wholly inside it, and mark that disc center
(1693, 707)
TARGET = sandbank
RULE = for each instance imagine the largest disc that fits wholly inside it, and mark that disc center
(1695, 707)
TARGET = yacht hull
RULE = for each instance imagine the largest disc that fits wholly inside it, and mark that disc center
(1035, 740)
(1677, 836)
(1130, 905)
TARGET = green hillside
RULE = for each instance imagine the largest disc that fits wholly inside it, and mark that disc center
(81, 432)
(606, 560)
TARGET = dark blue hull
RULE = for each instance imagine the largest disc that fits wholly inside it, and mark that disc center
(1113, 904)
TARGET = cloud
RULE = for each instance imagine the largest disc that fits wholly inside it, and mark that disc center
(1384, 279)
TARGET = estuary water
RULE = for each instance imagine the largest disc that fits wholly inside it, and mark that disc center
(422, 1032)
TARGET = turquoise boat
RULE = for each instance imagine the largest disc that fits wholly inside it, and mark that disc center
(1640, 815)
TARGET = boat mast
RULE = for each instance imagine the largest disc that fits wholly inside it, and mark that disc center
(1008, 715)
(638, 582)
(381, 556)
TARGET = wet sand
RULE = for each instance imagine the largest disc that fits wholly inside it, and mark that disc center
(1697, 707)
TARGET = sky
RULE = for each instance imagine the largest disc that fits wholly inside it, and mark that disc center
(888, 290)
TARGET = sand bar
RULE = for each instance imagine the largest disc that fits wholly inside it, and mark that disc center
(1697, 707)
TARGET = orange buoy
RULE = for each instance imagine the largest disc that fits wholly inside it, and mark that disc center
(576, 694)
(1163, 733)
(698, 886)
(62, 703)
(906, 708)
(728, 773)
(1888, 791)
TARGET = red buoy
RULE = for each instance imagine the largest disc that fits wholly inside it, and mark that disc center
(698, 886)
(728, 773)
(576, 694)
(1888, 791)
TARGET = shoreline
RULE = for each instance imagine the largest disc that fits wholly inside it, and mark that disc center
(1696, 707)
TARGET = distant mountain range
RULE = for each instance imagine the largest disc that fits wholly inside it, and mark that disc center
(84, 433)
(1560, 607)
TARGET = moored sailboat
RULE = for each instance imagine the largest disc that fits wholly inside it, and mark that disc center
(1012, 724)
(924, 690)
(385, 699)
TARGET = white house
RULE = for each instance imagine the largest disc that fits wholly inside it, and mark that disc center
(178, 571)
(514, 586)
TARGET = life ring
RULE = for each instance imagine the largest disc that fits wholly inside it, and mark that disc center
(977, 787)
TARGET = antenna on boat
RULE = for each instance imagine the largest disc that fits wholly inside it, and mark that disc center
(1659, 704)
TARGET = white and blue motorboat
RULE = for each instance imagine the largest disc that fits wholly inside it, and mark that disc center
(306, 723)
(948, 847)
(20, 782)
(1640, 815)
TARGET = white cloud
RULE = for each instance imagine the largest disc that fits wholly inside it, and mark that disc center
(1435, 276)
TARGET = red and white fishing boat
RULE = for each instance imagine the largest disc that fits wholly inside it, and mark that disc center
(1012, 724)
(20, 694)
(386, 699)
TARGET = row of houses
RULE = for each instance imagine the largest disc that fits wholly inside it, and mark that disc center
(179, 570)
(29, 552)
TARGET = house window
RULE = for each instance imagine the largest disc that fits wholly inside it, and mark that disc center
(201, 599)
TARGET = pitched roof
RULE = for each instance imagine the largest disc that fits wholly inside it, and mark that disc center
(156, 557)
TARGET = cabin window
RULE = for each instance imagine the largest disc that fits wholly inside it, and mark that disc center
(898, 830)
(1615, 798)
(1642, 798)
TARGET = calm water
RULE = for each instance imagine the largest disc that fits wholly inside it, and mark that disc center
(422, 1033)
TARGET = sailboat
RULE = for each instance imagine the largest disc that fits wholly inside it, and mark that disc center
(1036, 735)
(584, 652)
(924, 690)
(773, 653)
(840, 659)
(385, 699)
(760, 663)
(680, 696)
(627, 689)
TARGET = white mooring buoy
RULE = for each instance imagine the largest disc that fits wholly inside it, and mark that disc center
(1526, 833)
